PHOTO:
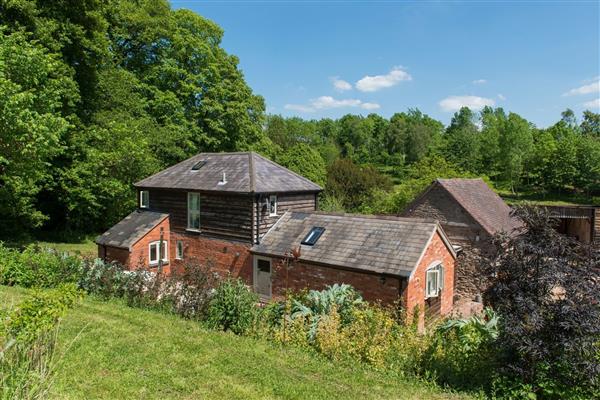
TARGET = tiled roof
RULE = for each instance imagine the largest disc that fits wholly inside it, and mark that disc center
(482, 203)
(244, 172)
(131, 229)
(387, 245)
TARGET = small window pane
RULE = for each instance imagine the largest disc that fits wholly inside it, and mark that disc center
(144, 199)
(153, 255)
(264, 265)
(273, 205)
(179, 250)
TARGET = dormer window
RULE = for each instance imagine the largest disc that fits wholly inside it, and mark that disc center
(272, 205)
(311, 238)
(144, 199)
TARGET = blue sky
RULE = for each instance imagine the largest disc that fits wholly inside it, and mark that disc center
(326, 59)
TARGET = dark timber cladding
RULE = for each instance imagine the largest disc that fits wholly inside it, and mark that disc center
(234, 193)
(221, 214)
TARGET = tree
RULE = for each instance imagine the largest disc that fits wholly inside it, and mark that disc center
(353, 184)
(413, 134)
(34, 86)
(590, 125)
(546, 289)
(515, 144)
(461, 143)
(306, 161)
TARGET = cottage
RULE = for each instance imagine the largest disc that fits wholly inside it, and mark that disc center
(240, 212)
(385, 258)
(212, 208)
(471, 213)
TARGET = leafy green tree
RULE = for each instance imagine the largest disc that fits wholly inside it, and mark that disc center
(306, 161)
(461, 141)
(515, 144)
(34, 86)
(352, 184)
(413, 135)
(590, 124)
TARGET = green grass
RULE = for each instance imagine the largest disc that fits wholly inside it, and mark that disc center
(111, 351)
(86, 247)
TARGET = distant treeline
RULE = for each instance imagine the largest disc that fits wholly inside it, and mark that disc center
(96, 95)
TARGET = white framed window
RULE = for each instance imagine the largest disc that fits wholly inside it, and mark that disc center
(179, 250)
(434, 280)
(144, 199)
(193, 211)
(272, 205)
(154, 252)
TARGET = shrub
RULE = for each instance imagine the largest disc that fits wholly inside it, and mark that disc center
(28, 337)
(37, 267)
(232, 307)
(462, 352)
(547, 291)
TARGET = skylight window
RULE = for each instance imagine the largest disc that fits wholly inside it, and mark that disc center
(311, 238)
(198, 165)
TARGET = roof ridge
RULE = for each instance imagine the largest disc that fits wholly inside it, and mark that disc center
(287, 169)
(391, 218)
(251, 171)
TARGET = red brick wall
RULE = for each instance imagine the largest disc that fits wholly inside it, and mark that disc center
(316, 277)
(225, 257)
(414, 296)
(139, 256)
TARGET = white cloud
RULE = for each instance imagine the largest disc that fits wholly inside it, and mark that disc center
(340, 85)
(455, 103)
(501, 96)
(479, 81)
(377, 82)
(370, 106)
(593, 87)
(328, 102)
(592, 103)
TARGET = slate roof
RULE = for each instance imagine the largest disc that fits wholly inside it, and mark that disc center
(482, 203)
(386, 245)
(130, 229)
(245, 173)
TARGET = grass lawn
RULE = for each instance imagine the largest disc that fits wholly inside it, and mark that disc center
(548, 199)
(85, 246)
(117, 352)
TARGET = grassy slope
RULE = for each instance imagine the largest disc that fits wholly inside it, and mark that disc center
(123, 353)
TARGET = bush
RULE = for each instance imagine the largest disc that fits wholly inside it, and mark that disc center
(232, 307)
(547, 291)
(37, 267)
(462, 353)
(28, 337)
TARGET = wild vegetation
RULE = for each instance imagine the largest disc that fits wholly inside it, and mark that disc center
(97, 95)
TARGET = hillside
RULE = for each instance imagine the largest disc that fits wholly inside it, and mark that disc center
(112, 351)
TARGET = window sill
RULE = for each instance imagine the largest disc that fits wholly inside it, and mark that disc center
(193, 230)
(154, 265)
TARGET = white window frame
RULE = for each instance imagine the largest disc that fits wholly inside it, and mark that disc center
(147, 203)
(179, 250)
(436, 270)
(192, 213)
(157, 244)
(272, 199)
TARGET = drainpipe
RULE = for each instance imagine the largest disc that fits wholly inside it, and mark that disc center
(258, 200)
(160, 249)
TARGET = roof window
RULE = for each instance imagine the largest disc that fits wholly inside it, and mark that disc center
(311, 238)
(198, 165)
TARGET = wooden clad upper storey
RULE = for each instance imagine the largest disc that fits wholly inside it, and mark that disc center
(241, 195)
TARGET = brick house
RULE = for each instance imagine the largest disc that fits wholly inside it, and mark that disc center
(385, 258)
(471, 213)
(224, 209)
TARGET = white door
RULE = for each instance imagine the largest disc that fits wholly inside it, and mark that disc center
(262, 277)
